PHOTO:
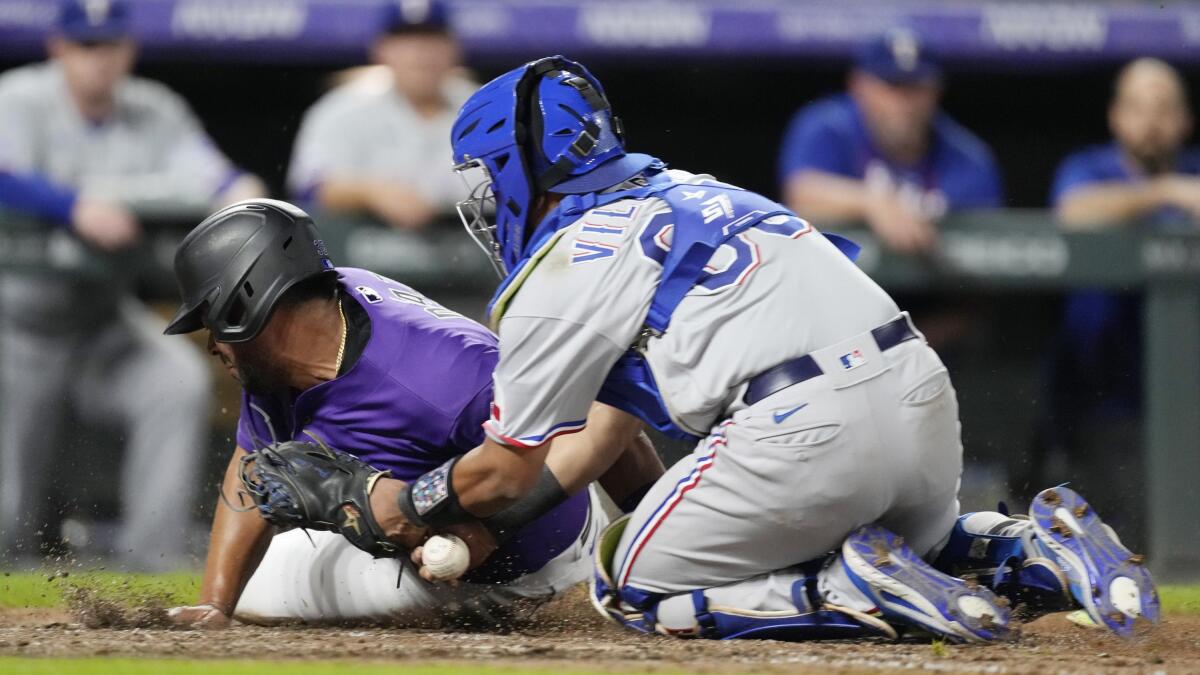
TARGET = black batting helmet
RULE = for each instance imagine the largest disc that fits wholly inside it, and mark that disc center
(233, 268)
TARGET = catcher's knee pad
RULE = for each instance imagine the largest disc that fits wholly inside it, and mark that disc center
(690, 615)
(603, 592)
(999, 551)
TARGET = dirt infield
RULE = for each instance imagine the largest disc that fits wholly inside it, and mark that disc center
(568, 634)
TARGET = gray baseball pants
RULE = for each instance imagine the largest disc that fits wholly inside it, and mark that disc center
(156, 388)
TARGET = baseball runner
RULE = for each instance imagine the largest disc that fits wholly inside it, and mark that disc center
(341, 359)
(827, 437)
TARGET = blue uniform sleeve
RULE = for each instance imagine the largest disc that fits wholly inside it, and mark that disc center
(983, 189)
(33, 194)
(1074, 172)
(816, 139)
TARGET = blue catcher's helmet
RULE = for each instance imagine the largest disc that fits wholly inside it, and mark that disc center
(543, 127)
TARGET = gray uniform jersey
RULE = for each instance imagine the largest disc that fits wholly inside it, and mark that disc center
(366, 129)
(152, 150)
(584, 304)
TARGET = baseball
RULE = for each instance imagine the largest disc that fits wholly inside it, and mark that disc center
(445, 556)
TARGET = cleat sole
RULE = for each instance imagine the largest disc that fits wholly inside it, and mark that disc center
(1105, 578)
(909, 590)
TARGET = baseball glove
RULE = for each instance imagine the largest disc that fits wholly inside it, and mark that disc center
(309, 485)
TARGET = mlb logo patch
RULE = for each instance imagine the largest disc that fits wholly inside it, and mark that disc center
(852, 360)
(369, 294)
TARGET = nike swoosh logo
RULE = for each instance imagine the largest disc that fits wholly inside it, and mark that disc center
(781, 416)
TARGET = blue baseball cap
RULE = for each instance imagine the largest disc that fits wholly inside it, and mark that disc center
(899, 57)
(415, 16)
(94, 20)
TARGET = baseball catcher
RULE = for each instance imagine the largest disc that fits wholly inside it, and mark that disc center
(821, 499)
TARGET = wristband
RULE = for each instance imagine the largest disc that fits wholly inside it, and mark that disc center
(545, 495)
(430, 501)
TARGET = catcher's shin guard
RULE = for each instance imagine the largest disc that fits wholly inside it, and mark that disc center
(1108, 581)
(992, 548)
(908, 590)
(693, 616)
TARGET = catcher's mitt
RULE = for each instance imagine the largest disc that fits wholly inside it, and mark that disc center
(309, 485)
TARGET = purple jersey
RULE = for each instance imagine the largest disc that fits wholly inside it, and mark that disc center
(416, 397)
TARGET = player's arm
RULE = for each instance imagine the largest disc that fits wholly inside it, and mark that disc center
(399, 205)
(495, 476)
(236, 547)
(633, 473)
(828, 197)
(613, 450)
(327, 170)
(825, 197)
(817, 176)
(1102, 205)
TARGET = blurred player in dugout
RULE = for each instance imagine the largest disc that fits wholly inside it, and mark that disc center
(883, 153)
(83, 145)
(1145, 178)
(378, 143)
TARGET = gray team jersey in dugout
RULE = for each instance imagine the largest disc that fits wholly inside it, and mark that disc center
(765, 298)
(151, 150)
(366, 129)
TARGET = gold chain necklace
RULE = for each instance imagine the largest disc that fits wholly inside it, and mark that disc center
(337, 368)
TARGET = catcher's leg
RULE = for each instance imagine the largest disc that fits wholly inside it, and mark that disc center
(1059, 556)
(786, 481)
(1108, 581)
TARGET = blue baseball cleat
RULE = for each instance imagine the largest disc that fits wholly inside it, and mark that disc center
(1108, 581)
(907, 589)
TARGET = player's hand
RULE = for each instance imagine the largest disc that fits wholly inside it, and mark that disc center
(479, 542)
(399, 531)
(105, 225)
(399, 206)
(198, 616)
(898, 227)
(1182, 192)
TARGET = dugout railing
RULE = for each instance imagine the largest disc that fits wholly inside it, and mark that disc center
(1013, 250)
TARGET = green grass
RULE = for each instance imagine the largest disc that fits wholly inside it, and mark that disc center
(45, 590)
(1177, 599)
(23, 666)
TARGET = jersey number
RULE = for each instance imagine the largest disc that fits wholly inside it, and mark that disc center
(737, 258)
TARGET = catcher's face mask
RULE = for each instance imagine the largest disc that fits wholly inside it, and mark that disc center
(475, 209)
